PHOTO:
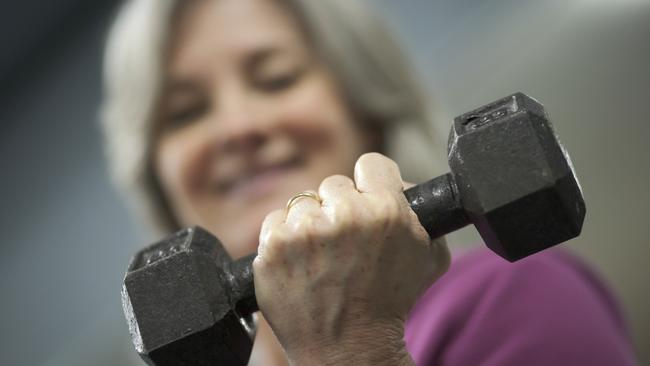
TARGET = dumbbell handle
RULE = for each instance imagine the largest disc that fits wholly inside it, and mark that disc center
(438, 206)
(435, 202)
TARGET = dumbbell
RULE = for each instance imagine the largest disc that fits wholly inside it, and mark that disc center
(186, 301)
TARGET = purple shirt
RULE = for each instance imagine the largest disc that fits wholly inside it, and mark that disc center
(548, 309)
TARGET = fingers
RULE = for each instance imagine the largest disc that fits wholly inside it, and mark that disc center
(341, 202)
(407, 185)
(335, 187)
(302, 209)
(296, 221)
(337, 192)
(376, 173)
(272, 223)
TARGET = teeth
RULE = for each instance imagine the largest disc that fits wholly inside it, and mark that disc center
(229, 184)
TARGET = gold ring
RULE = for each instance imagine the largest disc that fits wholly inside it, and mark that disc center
(309, 194)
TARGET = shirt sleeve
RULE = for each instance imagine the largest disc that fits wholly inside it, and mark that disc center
(549, 309)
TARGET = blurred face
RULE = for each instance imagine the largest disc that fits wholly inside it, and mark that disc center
(248, 118)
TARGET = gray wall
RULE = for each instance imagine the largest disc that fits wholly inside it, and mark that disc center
(67, 239)
(589, 63)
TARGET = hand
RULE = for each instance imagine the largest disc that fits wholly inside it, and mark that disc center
(336, 279)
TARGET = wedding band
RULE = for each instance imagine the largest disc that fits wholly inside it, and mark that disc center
(308, 194)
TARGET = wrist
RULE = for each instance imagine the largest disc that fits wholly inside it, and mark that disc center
(374, 344)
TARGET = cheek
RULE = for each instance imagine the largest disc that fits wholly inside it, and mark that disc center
(177, 161)
(318, 115)
(341, 139)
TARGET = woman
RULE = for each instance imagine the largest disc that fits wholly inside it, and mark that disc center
(217, 112)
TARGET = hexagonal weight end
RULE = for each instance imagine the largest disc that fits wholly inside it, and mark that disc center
(176, 290)
(515, 179)
(226, 343)
(515, 233)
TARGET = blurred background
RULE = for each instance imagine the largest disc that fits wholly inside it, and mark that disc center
(67, 238)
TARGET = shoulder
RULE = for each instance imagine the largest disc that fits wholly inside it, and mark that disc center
(540, 310)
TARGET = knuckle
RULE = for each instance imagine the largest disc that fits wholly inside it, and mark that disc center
(343, 213)
(328, 232)
(387, 202)
(375, 158)
(274, 243)
(387, 211)
(271, 218)
(260, 264)
(302, 232)
(371, 157)
(336, 181)
(304, 226)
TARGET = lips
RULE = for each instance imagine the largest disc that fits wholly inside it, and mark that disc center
(258, 181)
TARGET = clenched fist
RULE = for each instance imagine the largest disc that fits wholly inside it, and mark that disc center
(336, 279)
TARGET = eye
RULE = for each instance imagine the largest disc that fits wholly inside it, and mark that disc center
(279, 82)
(181, 116)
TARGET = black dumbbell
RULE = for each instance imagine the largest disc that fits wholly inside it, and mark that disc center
(185, 300)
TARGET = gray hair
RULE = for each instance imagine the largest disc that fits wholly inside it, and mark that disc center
(362, 54)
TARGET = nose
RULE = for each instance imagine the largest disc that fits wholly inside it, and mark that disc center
(238, 123)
